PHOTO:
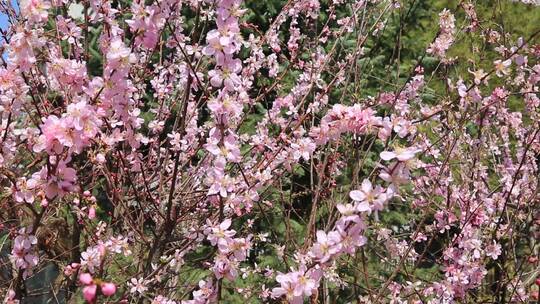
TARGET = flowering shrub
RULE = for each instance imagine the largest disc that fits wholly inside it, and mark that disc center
(203, 151)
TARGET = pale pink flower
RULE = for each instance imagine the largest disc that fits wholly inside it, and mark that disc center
(215, 233)
(494, 250)
(502, 68)
(137, 286)
(326, 246)
(348, 212)
(402, 154)
(91, 257)
(23, 254)
(369, 198)
(118, 53)
(305, 284)
(147, 22)
(287, 289)
(351, 238)
(227, 148)
(24, 191)
(303, 148)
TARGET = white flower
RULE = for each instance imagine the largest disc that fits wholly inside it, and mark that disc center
(138, 285)
(502, 67)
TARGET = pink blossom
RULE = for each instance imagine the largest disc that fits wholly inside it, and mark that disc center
(57, 183)
(227, 148)
(221, 231)
(326, 245)
(368, 198)
(446, 38)
(226, 74)
(24, 191)
(23, 254)
(352, 237)
(348, 212)
(147, 23)
(287, 289)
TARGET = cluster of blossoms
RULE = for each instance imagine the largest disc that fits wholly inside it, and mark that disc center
(347, 235)
(92, 258)
(231, 251)
(227, 107)
(147, 22)
(446, 36)
(23, 252)
(59, 137)
(135, 137)
(223, 43)
(342, 119)
(90, 287)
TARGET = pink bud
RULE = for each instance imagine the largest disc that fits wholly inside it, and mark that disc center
(68, 271)
(108, 289)
(85, 278)
(89, 292)
(91, 213)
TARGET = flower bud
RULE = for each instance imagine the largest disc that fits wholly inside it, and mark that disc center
(108, 289)
(85, 278)
(89, 292)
